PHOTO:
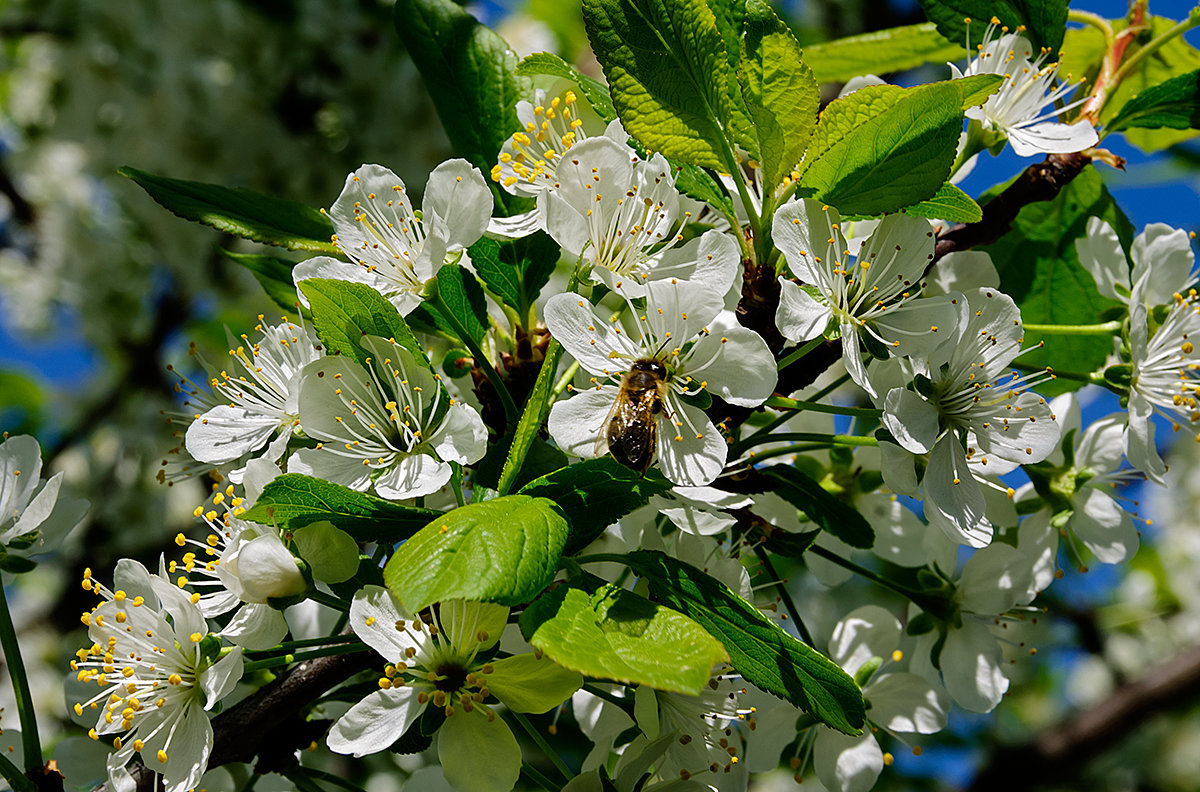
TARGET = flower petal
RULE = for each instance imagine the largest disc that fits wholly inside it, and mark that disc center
(800, 316)
(908, 704)
(590, 340)
(478, 754)
(412, 476)
(846, 764)
(953, 500)
(578, 424)
(691, 452)
(225, 433)
(1101, 254)
(376, 722)
(911, 419)
(973, 667)
(1104, 527)
(526, 683)
(866, 632)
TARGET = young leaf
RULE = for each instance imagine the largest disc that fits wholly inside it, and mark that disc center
(779, 91)
(504, 550)
(594, 494)
(882, 148)
(1040, 270)
(615, 634)
(668, 73)
(244, 213)
(1174, 104)
(344, 312)
(1045, 21)
(292, 501)
(880, 52)
(830, 514)
(469, 71)
(594, 91)
(275, 275)
(950, 204)
(499, 276)
(758, 648)
(516, 271)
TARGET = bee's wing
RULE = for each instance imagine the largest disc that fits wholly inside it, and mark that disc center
(601, 447)
(633, 430)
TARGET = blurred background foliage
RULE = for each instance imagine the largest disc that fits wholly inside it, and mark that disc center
(100, 289)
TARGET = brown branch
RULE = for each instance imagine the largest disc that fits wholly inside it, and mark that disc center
(1058, 753)
(265, 721)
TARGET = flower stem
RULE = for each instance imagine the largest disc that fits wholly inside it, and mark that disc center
(456, 482)
(1091, 378)
(818, 437)
(846, 563)
(1103, 328)
(11, 644)
(536, 777)
(833, 409)
(311, 774)
(780, 587)
(13, 775)
(1095, 20)
(799, 352)
(1177, 30)
(287, 659)
(304, 643)
(328, 600)
(537, 737)
(438, 304)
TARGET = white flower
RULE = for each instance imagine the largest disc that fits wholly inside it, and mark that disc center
(436, 662)
(393, 248)
(261, 397)
(1029, 87)
(623, 215)
(528, 160)
(390, 425)
(159, 671)
(873, 300)
(699, 348)
(33, 514)
(1163, 263)
(972, 417)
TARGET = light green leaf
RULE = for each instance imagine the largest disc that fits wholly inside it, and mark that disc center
(1174, 104)
(1040, 270)
(759, 649)
(978, 88)
(950, 204)
(504, 550)
(668, 73)
(881, 52)
(343, 312)
(594, 494)
(292, 501)
(331, 553)
(243, 213)
(469, 71)
(882, 148)
(615, 634)
(831, 515)
(1045, 21)
(594, 91)
(779, 92)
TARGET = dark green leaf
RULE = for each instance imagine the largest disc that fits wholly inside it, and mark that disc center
(830, 514)
(244, 213)
(882, 148)
(464, 299)
(594, 494)
(502, 278)
(1174, 104)
(1040, 270)
(275, 275)
(469, 71)
(758, 648)
(950, 204)
(1045, 21)
(696, 183)
(344, 312)
(668, 72)
(504, 550)
(16, 564)
(779, 92)
(594, 91)
(292, 501)
(881, 52)
(615, 634)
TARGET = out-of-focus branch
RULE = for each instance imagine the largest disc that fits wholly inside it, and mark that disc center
(1058, 753)
(260, 723)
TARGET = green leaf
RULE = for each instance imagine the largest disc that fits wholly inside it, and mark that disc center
(950, 204)
(244, 213)
(1174, 104)
(273, 273)
(615, 634)
(292, 501)
(464, 299)
(978, 88)
(668, 72)
(696, 183)
(469, 71)
(882, 148)
(881, 52)
(830, 514)
(758, 648)
(504, 550)
(1040, 270)
(516, 271)
(779, 91)
(594, 494)
(594, 91)
(343, 312)
(501, 278)
(1045, 20)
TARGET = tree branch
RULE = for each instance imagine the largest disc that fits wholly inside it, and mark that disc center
(1057, 753)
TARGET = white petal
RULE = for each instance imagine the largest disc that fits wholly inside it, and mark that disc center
(739, 367)
(973, 667)
(20, 474)
(578, 424)
(866, 632)
(899, 534)
(802, 230)
(373, 616)
(1016, 432)
(908, 704)
(590, 340)
(219, 680)
(993, 580)
(692, 454)
(319, 463)
(225, 433)
(336, 269)
(1139, 439)
(921, 327)
(1038, 542)
(898, 468)
(256, 626)
(462, 437)
(376, 722)
(953, 500)
(911, 419)
(1051, 137)
(1101, 254)
(846, 764)
(413, 476)
(187, 754)
(1101, 447)
(1163, 255)
(961, 271)
(852, 357)
(517, 226)
(268, 569)
(800, 317)
(457, 194)
(1103, 526)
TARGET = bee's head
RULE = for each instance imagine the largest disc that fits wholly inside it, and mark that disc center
(650, 366)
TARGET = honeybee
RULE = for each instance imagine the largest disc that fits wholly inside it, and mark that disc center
(631, 428)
